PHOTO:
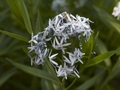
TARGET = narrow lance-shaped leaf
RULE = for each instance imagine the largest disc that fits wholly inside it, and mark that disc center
(15, 10)
(25, 15)
(108, 20)
(39, 23)
(33, 71)
(14, 35)
(49, 84)
(90, 43)
(100, 58)
(46, 84)
(95, 40)
(118, 51)
(20, 11)
(103, 49)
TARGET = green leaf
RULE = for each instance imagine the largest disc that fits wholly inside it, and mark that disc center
(6, 76)
(101, 57)
(46, 84)
(33, 71)
(25, 15)
(118, 51)
(90, 43)
(20, 11)
(103, 49)
(90, 82)
(15, 10)
(14, 36)
(39, 24)
(87, 46)
(108, 20)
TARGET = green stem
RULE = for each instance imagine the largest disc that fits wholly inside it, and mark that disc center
(71, 84)
(59, 59)
(51, 69)
(53, 72)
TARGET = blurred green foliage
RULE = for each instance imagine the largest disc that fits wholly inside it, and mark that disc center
(18, 18)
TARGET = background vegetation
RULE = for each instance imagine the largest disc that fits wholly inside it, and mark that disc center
(18, 18)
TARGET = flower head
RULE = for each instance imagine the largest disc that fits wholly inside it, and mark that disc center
(56, 43)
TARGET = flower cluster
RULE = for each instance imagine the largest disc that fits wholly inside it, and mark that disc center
(60, 43)
(116, 11)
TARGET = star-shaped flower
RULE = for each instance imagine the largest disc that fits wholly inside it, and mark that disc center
(51, 57)
(65, 71)
(74, 57)
(59, 45)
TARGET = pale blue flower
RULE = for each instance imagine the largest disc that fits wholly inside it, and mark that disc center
(75, 57)
(51, 57)
(34, 39)
(71, 60)
(65, 71)
(59, 45)
(36, 60)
